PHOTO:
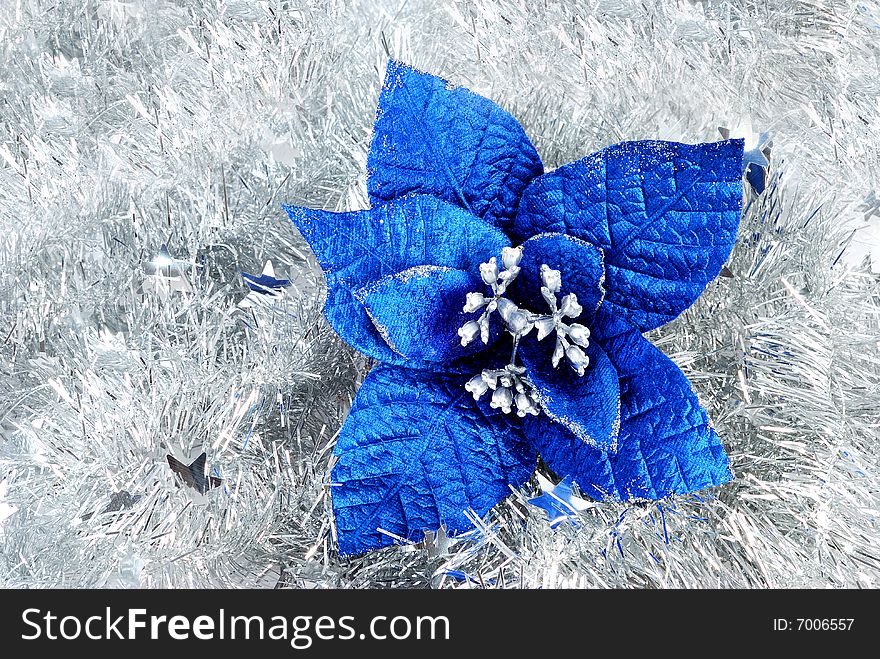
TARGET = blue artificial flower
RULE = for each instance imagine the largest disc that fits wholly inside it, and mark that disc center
(475, 272)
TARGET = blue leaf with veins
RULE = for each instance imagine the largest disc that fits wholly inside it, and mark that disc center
(450, 143)
(588, 406)
(666, 443)
(418, 312)
(665, 214)
(360, 247)
(579, 263)
(417, 452)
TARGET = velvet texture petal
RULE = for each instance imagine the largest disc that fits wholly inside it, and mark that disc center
(665, 215)
(417, 452)
(666, 445)
(418, 312)
(448, 142)
(588, 406)
(357, 248)
(579, 263)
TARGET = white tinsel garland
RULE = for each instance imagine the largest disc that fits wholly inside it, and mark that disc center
(128, 125)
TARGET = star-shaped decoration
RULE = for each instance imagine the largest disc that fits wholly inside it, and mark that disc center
(756, 154)
(436, 543)
(266, 282)
(120, 500)
(129, 573)
(280, 147)
(264, 288)
(870, 208)
(164, 275)
(195, 474)
(558, 501)
(163, 259)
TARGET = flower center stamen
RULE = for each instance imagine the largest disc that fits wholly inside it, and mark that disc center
(510, 385)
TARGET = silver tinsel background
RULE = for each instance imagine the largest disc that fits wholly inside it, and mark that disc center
(126, 125)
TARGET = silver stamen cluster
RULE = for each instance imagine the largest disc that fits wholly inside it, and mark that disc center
(510, 388)
(498, 281)
(570, 339)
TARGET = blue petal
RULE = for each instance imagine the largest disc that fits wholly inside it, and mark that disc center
(665, 214)
(360, 247)
(589, 405)
(579, 263)
(417, 452)
(418, 311)
(448, 142)
(666, 445)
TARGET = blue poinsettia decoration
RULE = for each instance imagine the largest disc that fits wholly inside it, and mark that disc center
(506, 307)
